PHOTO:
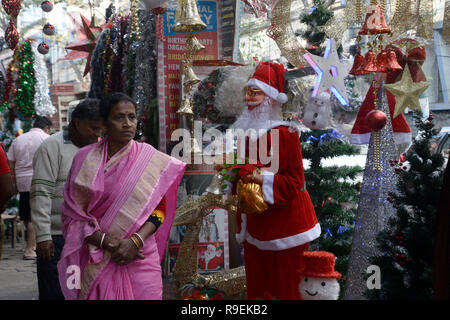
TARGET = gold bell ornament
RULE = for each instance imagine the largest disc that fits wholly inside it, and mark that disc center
(187, 18)
(190, 78)
(215, 186)
(186, 107)
(193, 45)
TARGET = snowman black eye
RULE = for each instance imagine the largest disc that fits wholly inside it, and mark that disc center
(306, 279)
(323, 284)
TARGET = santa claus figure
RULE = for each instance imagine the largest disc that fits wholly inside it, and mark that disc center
(318, 279)
(274, 239)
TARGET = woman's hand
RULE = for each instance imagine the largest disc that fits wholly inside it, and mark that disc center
(126, 252)
(110, 244)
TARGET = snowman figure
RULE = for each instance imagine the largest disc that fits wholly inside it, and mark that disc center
(317, 112)
(318, 278)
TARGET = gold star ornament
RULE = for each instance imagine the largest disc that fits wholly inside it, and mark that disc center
(406, 92)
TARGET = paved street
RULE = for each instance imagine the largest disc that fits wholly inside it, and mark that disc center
(18, 279)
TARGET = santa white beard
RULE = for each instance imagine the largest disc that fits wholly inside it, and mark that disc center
(261, 117)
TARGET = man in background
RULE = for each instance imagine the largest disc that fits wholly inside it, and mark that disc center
(52, 163)
(6, 183)
(20, 156)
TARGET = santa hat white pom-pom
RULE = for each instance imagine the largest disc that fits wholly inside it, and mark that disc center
(282, 97)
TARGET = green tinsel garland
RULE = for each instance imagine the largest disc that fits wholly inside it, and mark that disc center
(25, 83)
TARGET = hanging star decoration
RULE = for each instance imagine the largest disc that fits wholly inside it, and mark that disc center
(85, 47)
(330, 72)
(406, 92)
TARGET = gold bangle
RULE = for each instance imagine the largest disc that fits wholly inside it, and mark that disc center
(135, 241)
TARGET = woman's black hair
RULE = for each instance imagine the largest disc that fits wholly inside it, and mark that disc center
(107, 103)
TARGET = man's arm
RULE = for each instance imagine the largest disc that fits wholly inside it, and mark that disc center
(45, 173)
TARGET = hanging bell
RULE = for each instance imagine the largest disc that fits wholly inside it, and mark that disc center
(195, 148)
(193, 45)
(186, 107)
(190, 78)
(375, 22)
(187, 18)
(357, 62)
(391, 61)
(370, 65)
(381, 61)
(216, 184)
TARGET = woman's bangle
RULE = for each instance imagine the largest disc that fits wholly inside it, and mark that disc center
(140, 238)
(101, 241)
(135, 241)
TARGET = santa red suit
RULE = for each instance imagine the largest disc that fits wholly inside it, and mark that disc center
(275, 239)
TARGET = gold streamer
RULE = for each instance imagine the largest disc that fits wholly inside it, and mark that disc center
(286, 40)
(343, 19)
(402, 14)
(358, 8)
(446, 23)
(424, 14)
(191, 214)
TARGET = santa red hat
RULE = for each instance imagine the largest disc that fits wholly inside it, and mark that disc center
(269, 77)
(318, 264)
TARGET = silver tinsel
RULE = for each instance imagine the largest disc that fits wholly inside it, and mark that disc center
(374, 209)
(42, 102)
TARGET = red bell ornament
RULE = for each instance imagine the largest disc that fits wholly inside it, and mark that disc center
(381, 61)
(376, 120)
(357, 63)
(11, 35)
(370, 65)
(391, 61)
(375, 22)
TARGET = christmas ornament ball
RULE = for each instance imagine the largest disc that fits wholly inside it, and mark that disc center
(376, 120)
(47, 6)
(43, 48)
(49, 29)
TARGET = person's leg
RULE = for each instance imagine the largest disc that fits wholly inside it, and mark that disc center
(47, 273)
(30, 234)
(31, 238)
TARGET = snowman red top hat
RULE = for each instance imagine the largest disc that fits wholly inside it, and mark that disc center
(269, 77)
(318, 264)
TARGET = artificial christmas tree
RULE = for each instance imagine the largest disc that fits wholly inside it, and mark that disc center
(406, 245)
(333, 191)
(317, 17)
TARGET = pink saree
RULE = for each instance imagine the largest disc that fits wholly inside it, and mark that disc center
(117, 197)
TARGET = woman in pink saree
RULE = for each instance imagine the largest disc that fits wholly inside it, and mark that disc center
(119, 205)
